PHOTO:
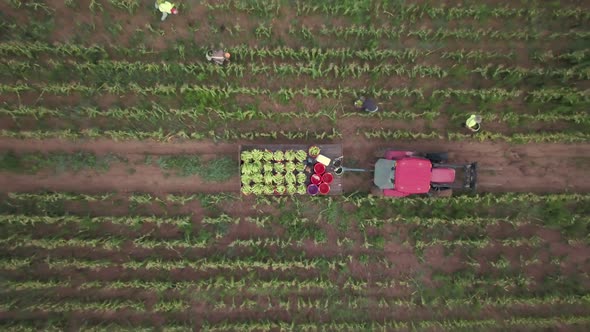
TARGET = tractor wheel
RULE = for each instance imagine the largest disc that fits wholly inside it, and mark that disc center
(437, 157)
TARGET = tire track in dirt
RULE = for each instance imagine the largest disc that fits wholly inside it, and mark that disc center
(536, 167)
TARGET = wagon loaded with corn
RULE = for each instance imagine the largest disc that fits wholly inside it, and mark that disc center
(290, 169)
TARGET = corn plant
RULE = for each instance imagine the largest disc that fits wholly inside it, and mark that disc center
(129, 5)
(262, 31)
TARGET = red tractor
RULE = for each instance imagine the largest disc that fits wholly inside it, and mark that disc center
(404, 173)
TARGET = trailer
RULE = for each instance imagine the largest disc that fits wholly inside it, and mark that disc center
(290, 169)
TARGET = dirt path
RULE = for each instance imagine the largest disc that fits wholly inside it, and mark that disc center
(538, 168)
(118, 179)
(103, 146)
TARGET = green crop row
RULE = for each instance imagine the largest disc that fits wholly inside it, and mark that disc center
(486, 200)
(157, 113)
(217, 284)
(537, 137)
(501, 72)
(231, 285)
(248, 264)
(472, 221)
(567, 95)
(475, 35)
(523, 322)
(259, 7)
(414, 12)
(110, 243)
(129, 5)
(119, 70)
(131, 221)
(574, 57)
(480, 243)
(322, 305)
(161, 136)
(533, 322)
(401, 11)
(125, 72)
(551, 115)
(32, 163)
(97, 52)
(133, 198)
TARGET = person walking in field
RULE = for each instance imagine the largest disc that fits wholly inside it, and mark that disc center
(473, 123)
(219, 57)
(166, 8)
(367, 104)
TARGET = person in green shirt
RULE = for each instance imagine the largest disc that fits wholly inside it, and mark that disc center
(473, 123)
(166, 8)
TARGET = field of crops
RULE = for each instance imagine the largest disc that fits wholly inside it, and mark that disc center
(221, 263)
(120, 203)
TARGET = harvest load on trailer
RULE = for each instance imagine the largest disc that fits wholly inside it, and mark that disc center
(289, 169)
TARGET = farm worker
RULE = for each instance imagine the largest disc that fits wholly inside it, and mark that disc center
(166, 8)
(473, 123)
(219, 57)
(367, 104)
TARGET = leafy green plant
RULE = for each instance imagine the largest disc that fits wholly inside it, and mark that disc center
(181, 165)
(279, 179)
(278, 155)
(268, 156)
(216, 170)
(267, 168)
(314, 150)
(279, 168)
(219, 169)
(57, 161)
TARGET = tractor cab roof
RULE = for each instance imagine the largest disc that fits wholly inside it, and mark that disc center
(412, 175)
(407, 175)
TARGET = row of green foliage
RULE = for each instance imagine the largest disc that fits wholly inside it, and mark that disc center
(167, 136)
(123, 72)
(217, 169)
(59, 162)
(569, 96)
(94, 53)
